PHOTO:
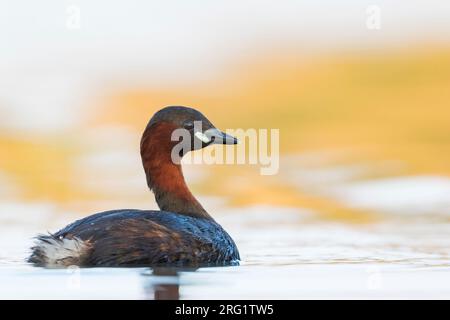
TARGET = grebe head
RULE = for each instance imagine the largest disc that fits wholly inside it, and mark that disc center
(162, 169)
(201, 131)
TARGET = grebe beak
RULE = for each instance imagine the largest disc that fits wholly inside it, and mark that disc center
(215, 136)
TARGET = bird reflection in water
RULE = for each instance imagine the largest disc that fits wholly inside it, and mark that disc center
(163, 283)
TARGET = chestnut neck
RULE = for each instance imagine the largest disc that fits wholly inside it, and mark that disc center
(164, 177)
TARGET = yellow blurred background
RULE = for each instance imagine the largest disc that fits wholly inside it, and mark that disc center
(343, 96)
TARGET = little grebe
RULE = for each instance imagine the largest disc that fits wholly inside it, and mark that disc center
(181, 234)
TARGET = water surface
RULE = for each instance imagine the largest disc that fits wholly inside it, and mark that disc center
(286, 254)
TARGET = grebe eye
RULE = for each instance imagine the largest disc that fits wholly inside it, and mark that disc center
(188, 125)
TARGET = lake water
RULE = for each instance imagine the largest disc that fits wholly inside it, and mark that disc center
(286, 254)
